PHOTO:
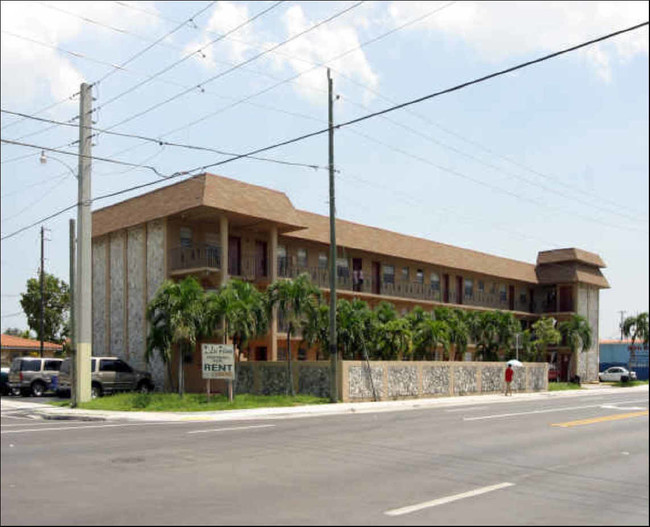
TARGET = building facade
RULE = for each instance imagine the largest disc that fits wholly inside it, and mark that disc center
(625, 353)
(215, 228)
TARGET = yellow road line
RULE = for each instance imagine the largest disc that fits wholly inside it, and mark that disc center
(600, 419)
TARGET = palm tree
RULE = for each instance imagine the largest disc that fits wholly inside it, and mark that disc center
(292, 298)
(577, 333)
(177, 318)
(635, 327)
(428, 335)
(458, 330)
(545, 334)
(395, 339)
(315, 328)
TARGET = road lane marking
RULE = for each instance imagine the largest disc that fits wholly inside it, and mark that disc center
(448, 499)
(602, 419)
(230, 428)
(469, 408)
(548, 410)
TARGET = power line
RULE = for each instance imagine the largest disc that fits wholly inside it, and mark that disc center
(163, 143)
(185, 57)
(237, 66)
(344, 124)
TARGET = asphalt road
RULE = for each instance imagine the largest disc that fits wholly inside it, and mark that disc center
(572, 461)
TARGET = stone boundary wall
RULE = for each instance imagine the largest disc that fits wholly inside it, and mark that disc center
(391, 379)
(423, 379)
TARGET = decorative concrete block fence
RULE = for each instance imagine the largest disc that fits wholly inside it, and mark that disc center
(390, 379)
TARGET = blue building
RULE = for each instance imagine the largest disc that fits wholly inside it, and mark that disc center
(623, 353)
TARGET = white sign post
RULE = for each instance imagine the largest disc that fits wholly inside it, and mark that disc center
(218, 363)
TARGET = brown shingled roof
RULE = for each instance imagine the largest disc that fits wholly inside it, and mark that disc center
(569, 255)
(372, 239)
(14, 342)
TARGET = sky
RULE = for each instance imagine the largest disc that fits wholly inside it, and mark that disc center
(550, 156)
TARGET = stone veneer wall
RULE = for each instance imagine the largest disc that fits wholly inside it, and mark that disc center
(155, 277)
(588, 361)
(135, 297)
(390, 379)
(117, 299)
(100, 260)
(419, 379)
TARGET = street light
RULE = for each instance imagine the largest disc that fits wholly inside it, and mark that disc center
(43, 159)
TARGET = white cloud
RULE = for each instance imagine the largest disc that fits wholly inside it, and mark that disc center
(499, 30)
(34, 75)
(321, 45)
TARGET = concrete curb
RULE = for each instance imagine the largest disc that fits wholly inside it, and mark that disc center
(47, 412)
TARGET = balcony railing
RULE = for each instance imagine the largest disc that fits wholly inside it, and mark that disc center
(198, 255)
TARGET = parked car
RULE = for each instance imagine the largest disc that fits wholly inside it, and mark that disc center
(552, 372)
(4, 381)
(32, 375)
(108, 375)
(617, 374)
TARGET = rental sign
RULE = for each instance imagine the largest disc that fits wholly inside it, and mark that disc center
(218, 361)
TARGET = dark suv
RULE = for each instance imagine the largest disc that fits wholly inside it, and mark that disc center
(108, 374)
(32, 375)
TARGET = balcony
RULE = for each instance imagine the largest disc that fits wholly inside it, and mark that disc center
(198, 256)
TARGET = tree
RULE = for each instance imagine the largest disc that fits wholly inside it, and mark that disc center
(292, 298)
(577, 333)
(428, 335)
(545, 334)
(635, 328)
(458, 329)
(315, 328)
(16, 332)
(394, 339)
(354, 327)
(56, 310)
(177, 317)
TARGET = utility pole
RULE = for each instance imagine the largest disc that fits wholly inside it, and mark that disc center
(73, 385)
(42, 286)
(83, 305)
(621, 324)
(333, 358)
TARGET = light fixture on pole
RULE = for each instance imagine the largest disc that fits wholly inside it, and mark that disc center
(44, 159)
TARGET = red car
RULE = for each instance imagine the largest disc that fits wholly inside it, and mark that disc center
(552, 372)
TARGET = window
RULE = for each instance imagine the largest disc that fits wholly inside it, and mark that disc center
(405, 274)
(186, 237)
(493, 287)
(389, 274)
(342, 268)
(66, 366)
(30, 365)
(282, 260)
(122, 367)
(52, 365)
(502, 293)
(522, 296)
(107, 365)
(302, 354)
(481, 286)
(435, 282)
(322, 260)
(469, 288)
(302, 257)
(93, 365)
(419, 276)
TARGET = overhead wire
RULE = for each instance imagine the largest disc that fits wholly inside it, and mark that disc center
(348, 123)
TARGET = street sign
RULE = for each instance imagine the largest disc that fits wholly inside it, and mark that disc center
(218, 361)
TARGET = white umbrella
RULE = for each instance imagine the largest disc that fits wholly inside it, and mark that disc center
(515, 362)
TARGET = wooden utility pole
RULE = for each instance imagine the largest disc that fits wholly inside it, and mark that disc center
(333, 346)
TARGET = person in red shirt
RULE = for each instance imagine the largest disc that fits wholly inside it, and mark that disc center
(509, 372)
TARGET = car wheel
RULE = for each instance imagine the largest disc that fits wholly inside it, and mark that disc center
(15, 391)
(96, 391)
(625, 378)
(144, 387)
(38, 389)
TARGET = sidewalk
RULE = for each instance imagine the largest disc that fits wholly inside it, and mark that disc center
(45, 411)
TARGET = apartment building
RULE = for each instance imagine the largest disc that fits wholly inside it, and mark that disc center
(215, 228)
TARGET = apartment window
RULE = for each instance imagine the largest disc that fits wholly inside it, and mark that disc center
(405, 274)
(493, 287)
(322, 260)
(502, 293)
(389, 274)
(523, 296)
(469, 288)
(481, 286)
(282, 260)
(435, 282)
(186, 237)
(302, 257)
(419, 276)
(342, 267)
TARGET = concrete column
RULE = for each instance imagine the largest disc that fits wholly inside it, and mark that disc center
(273, 272)
(223, 235)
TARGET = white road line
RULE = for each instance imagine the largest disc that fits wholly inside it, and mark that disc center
(448, 499)
(496, 416)
(469, 408)
(230, 428)
(14, 417)
(91, 426)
